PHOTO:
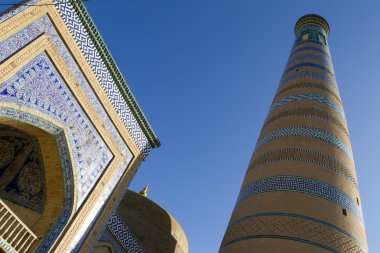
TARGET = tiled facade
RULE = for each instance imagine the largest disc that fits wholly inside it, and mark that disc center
(300, 192)
(57, 75)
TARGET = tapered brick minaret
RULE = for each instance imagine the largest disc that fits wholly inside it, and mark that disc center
(300, 192)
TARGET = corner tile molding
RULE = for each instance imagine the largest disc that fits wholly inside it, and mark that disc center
(94, 49)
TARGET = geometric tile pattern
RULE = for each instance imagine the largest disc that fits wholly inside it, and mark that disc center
(114, 86)
(305, 131)
(16, 9)
(38, 86)
(306, 156)
(309, 64)
(308, 112)
(300, 97)
(299, 228)
(44, 26)
(303, 185)
(117, 227)
(308, 75)
(86, 44)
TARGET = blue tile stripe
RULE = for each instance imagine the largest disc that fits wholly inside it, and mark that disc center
(308, 86)
(310, 48)
(304, 57)
(300, 97)
(309, 112)
(302, 185)
(309, 64)
(283, 237)
(296, 216)
(316, 158)
(304, 131)
(310, 75)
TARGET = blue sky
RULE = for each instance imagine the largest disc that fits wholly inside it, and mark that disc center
(205, 71)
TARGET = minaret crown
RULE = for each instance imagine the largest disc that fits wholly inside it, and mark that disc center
(312, 27)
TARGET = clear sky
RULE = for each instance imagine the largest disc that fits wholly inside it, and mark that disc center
(205, 71)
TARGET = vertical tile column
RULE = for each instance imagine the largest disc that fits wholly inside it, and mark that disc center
(300, 192)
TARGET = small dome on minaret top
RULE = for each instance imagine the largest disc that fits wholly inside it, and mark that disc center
(311, 20)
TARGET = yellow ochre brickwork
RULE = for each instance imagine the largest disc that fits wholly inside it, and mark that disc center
(300, 191)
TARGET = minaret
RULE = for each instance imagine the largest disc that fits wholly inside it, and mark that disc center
(300, 192)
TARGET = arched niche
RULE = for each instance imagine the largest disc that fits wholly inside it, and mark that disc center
(34, 166)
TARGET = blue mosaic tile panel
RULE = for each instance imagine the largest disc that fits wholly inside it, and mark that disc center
(310, 75)
(295, 227)
(305, 131)
(305, 186)
(19, 40)
(16, 9)
(308, 97)
(306, 156)
(82, 233)
(44, 26)
(305, 57)
(38, 86)
(117, 227)
(78, 31)
(309, 64)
